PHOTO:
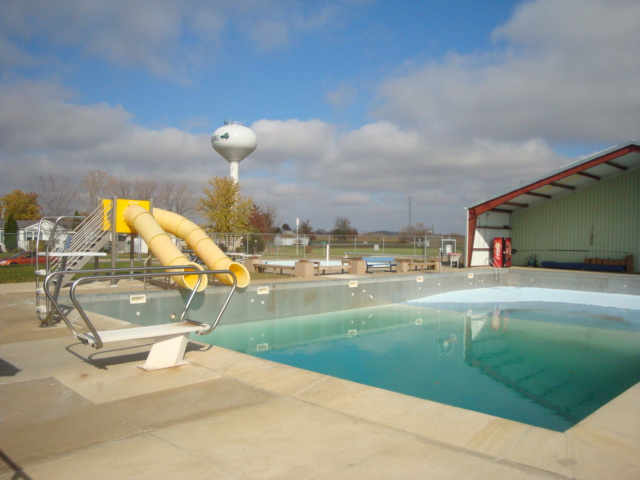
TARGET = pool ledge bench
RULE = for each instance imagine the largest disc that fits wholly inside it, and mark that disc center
(380, 262)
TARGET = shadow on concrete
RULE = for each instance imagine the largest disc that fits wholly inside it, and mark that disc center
(7, 369)
(18, 474)
(104, 358)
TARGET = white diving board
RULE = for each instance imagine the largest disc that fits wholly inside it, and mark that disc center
(171, 341)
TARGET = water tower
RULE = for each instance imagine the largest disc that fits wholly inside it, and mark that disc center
(234, 142)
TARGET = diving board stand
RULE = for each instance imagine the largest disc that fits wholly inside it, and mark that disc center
(168, 349)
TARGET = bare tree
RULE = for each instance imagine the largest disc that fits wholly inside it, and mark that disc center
(56, 196)
(343, 227)
(175, 197)
(135, 188)
(412, 231)
(144, 188)
(96, 185)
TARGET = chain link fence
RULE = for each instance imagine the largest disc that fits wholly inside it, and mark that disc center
(293, 246)
(290, 246)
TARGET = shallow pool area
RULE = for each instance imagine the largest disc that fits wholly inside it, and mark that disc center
(546, 364)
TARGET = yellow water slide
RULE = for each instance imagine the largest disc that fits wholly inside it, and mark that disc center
(160, 244)
(202, 245)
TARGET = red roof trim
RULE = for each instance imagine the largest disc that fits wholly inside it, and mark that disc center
(491, 204)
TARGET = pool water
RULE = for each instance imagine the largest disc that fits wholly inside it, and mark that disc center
(544, 364)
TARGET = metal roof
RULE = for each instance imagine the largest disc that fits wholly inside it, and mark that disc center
(579, 174)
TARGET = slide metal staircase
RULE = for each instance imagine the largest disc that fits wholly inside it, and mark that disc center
(80, 246)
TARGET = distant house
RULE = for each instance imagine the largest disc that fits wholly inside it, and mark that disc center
(28, 233)
(289, 238)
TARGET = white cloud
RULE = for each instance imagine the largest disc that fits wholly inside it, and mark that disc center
(350, 199)
(568, 72)
(314, 171)
(12, 56)
(39, 116)
(342, 97)
(42, 133)
(172, 38)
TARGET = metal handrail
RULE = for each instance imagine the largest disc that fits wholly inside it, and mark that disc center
(126, 273)
(52, 233)
(497, 271)
(48, 263)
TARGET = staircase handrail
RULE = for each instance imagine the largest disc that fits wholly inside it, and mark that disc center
(126, 273)
(92, 225)
(52, 233)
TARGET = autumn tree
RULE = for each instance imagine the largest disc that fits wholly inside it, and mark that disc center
(264, 218)
(225, 210)
(23, 206)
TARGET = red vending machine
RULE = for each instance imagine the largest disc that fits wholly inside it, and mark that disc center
(502, 252)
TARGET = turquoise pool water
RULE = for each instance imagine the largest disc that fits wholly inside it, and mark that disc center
(547, 364)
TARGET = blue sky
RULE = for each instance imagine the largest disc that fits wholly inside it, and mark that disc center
(357, 104)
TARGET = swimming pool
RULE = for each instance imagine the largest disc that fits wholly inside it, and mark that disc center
(267, 311)
(545, 363)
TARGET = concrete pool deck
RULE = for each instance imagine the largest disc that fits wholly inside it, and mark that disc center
(69, 411)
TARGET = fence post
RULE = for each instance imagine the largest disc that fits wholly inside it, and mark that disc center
(114, 236)
(424, 249)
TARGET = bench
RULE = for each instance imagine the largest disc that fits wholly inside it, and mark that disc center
(380, 262)
(429, 264)
(267, 267)
(324, 269)
(168, 348)
(592, 264)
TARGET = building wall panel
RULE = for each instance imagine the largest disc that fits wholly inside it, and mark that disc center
(599, 221)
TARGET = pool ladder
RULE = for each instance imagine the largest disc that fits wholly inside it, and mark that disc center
(170, 339)
(497, 271)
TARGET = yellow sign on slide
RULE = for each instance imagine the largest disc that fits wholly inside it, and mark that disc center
(121, 204)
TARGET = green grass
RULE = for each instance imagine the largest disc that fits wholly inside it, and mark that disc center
(17, 273)
(27, 273)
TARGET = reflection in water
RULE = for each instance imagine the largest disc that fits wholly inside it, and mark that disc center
(548, 366)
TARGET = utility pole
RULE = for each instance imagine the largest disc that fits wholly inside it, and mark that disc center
(409, 210)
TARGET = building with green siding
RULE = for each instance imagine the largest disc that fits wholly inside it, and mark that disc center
(583, 216)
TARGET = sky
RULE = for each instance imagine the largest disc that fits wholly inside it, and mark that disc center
(382, 112)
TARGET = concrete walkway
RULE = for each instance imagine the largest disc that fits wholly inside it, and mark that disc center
(70, 412)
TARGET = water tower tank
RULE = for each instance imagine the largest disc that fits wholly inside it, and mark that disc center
(234, 141)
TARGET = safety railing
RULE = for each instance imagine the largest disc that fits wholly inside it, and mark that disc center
(497, 271)
(125, 273)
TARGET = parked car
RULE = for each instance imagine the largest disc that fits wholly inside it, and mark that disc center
(24, 258)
